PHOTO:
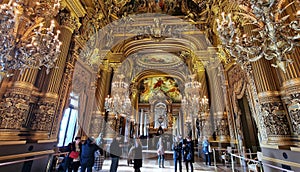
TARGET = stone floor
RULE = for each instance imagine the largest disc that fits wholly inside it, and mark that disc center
(150, 165)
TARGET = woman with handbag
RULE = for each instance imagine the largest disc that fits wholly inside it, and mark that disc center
(72, 160)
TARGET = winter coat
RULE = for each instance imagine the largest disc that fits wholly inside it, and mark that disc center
(87, 153)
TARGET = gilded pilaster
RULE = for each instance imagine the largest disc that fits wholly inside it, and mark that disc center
(98, 117)
(44, 115)
(15, 106)
(134, 108)
(275, 120)
(65, 89)
(291, 92)
(292, 99)
(68, 25)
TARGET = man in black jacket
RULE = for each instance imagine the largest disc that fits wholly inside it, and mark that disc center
(87, 155)
(115, 153)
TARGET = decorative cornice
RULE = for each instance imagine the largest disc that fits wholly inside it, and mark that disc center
(2, 143)
(291, 87)
(70, 22)
(53, 96)
(75, 7)
(269, 96)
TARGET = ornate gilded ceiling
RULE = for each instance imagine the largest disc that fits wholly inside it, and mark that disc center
(135, 33)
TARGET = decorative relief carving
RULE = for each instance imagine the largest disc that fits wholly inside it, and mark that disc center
(255, 106)
(222, 127)
(96, 124)
(294, 111)
(111, 125)
(275, 119)
(64, 90)
(69, 21)
(43, 117)
(14, 109)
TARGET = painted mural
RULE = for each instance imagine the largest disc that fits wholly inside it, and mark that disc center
(166, 84)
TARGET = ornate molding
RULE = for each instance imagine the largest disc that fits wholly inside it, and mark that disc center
(64, 90)
(70, 22)
(75, 7)
(14, 108)
(42, 118)
(275, 119)
(293, 101)
(14, 105)
(269, 97)
(291, 87)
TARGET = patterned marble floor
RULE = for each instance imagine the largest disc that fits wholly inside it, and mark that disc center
(150, 165)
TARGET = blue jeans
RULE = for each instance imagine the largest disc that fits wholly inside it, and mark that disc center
(161, 160)
(114, 164)
(178, 159)
(207, 159)
(89, 168)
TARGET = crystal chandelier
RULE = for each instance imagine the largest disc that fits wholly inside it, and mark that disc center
(274, 34)
(192, 103)
(119, 103)
(25, 40)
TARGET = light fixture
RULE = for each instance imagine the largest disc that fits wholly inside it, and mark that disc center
(192, 104)
(119, 103)
(274, 33)
(25, 40)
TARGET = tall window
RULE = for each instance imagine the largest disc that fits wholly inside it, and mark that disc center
(69, 123)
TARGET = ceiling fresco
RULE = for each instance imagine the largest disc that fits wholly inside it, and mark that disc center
(157, 59)
(168, 85)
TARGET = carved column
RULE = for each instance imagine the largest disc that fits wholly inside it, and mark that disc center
(291, 93)
(111, 122)
(64, 90)
(98, 115)
(223, 120)
(45, 114)
(16, 105)
(275, 121)
(217, 104)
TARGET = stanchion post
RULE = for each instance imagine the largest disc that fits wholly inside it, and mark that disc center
(232, 163)
(214, 153)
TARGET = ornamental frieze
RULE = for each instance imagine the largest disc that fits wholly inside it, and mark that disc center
(43, 117)
(294, 111)
(14, 108)
(275, 119)
(69, 21)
